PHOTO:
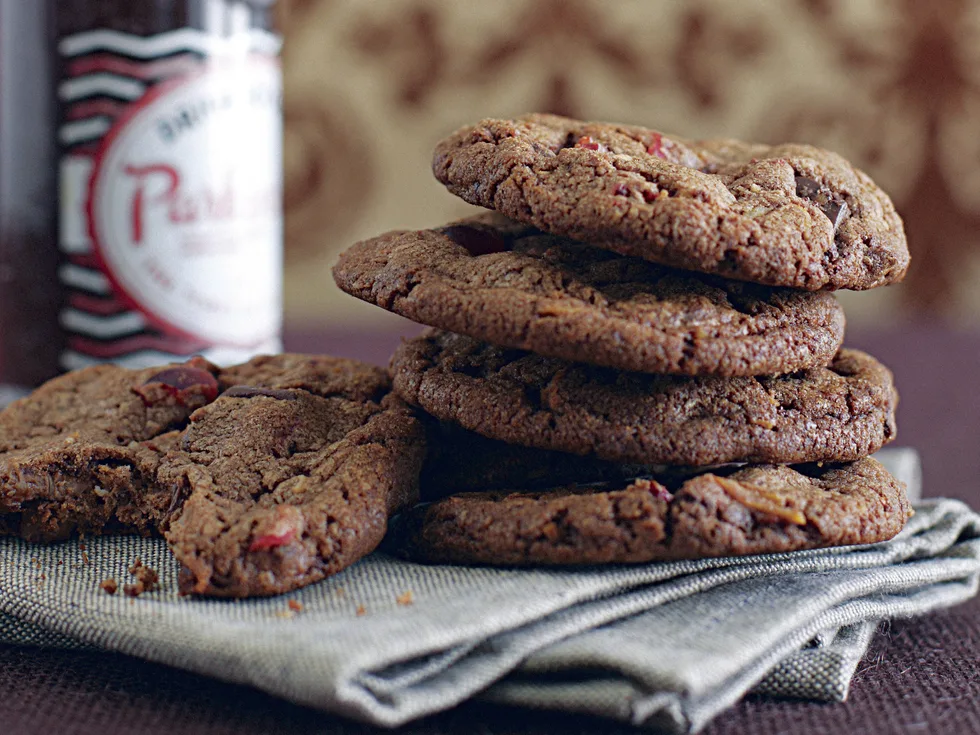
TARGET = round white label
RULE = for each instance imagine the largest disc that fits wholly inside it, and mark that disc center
(185, 205)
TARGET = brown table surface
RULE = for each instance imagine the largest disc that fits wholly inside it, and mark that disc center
(920, 676)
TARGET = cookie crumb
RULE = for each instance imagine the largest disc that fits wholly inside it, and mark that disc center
(340, 592)
(146, 579)
(361, 610)
(295, 605)
(405, 598)
(109, 586)
(285, 614)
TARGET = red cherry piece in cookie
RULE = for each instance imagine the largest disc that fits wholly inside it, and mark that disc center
(586, 142)
(656, 146)
(189, 386)
(282, 528)
(654, 488)
(201, 364)
(477, 241)
(271, 540)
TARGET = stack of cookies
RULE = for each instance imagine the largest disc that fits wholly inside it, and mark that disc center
(636, 357)
(637, 354)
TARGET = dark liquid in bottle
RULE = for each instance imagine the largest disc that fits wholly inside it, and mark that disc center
(30, 296)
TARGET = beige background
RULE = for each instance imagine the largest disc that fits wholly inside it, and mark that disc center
(372, 85)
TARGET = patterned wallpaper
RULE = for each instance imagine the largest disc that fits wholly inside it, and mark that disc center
(371, 85)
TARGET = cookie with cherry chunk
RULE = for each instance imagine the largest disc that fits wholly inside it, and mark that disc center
(784, 215)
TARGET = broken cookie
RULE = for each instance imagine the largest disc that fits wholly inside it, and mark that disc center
(263, 477)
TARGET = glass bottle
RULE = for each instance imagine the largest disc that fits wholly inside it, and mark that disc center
(162, 147)
(31, 340)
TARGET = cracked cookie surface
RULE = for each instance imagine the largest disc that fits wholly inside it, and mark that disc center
(290, 475)
(840, 413)
(788, 215)
(511, 285)
(754, 509)
(263, 477)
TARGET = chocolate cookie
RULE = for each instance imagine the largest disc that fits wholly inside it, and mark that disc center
(289, 476)
(509, 284)
(80, 453)
(458, 460)
(263, 477)
(755, 509)
(788, 215)
(839, 413)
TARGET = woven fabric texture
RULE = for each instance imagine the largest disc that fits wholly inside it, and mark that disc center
(389, 641)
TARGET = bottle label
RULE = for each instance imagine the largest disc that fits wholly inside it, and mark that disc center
(171, 198)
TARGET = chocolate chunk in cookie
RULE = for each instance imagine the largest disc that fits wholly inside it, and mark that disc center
(511, 285)
(787, 215)
(756, 509)
(839, 413)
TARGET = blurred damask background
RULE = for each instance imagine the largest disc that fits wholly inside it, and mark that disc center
(372, 85)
